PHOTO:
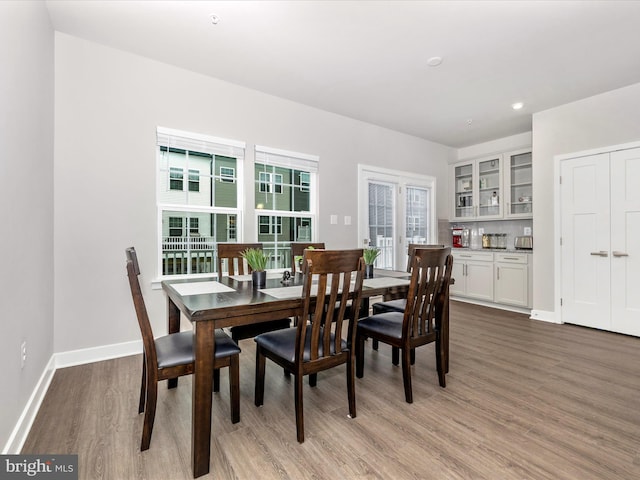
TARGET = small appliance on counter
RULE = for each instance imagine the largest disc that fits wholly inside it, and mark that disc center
(523, 243)
(494, 240)
(460, 237)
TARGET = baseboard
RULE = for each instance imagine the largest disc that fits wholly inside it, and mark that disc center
(499, 306)
(544, 316)
(22, 428)
(97, 354)
(62, 360)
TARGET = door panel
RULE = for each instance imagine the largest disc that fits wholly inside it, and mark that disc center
(586, 241)
(625, 242)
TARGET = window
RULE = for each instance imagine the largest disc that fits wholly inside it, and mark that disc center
(194, 180)
(227, 174)
(175, 178)
(198, 198)
(285, 201)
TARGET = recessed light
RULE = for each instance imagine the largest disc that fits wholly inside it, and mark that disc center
(434, 61)
(214, 18)
(469, 121)
(517, 105)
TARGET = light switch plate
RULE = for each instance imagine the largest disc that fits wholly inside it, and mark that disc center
(333, 219)
(347, 220)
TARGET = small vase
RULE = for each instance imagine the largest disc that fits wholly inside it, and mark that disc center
(259, 279)
(368, 271)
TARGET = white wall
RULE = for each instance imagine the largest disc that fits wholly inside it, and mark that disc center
(26, 196)
(500, 145)
(108, 104)
(603, 120)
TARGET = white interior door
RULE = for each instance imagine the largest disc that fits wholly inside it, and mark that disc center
(625, 241)
(585, 231)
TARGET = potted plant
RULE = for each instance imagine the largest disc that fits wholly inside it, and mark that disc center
(257, 261)
(370, 254)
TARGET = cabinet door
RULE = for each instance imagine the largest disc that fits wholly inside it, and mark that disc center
(457, 273)
(463, 175)
(511, 284)
(518, 188)
(489, 196)
(480, 280)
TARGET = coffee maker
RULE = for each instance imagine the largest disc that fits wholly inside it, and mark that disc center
(460, 237)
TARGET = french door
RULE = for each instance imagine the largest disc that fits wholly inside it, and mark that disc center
(395, 209)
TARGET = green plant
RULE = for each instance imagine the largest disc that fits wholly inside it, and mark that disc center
(256, 258)
(370, 254)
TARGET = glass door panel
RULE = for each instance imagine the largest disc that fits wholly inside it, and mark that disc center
(464, 191)
(382, 222)
(520, 184)
(489, 193)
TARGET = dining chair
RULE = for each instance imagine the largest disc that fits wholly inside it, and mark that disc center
(421, 321)
(321, 344)
(398, 304)
(172, 356)
(297, 250)
(231, 254)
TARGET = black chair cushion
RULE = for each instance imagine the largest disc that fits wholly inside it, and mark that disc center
(388, 324)
(177, 348)
(249, 331)
(390, 306)
(283, 343)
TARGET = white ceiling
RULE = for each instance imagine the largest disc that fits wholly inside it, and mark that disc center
(368, 59)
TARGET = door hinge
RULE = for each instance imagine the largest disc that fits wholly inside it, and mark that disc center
(560, 241)
(561, 302)
(560, 179)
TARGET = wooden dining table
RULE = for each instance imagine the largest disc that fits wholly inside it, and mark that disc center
(210, 304)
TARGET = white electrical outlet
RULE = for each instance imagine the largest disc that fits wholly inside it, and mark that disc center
(480, 231)
(527, 230)
(23, 353)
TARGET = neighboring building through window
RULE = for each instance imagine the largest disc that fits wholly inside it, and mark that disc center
(198, 197)
(285, 201)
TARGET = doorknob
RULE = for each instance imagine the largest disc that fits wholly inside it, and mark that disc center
(615, 253)
(601, 253)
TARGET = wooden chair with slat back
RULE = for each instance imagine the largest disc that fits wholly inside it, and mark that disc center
(312, 347)
(231, 254)
(297, 250)
(172, 356)
(398, 304)
(421, 321)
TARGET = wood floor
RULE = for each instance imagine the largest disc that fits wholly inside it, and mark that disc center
(524, 400)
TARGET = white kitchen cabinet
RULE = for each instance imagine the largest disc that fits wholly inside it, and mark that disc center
(518, 184)
(511, 279)
(473, 275)
(477, 187)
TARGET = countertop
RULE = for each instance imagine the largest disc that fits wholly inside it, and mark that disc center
(496, 250)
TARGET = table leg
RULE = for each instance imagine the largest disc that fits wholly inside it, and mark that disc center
(173, 327)
(204, 346)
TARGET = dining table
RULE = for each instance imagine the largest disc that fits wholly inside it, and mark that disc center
(228, 301)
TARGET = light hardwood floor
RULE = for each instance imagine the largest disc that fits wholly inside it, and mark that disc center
(524, 400)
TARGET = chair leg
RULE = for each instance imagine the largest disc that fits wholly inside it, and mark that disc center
(374, 344)
(234, 388)
(143, 385)
(260, 371)
(299, 407)
(313, 379)
(441, 362)
(413, 356)
(406, 374)
(149, 414)
(351, 386)
(216, 380)
(360, 356)
(395, 356)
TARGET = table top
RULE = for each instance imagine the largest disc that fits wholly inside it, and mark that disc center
(210, 299)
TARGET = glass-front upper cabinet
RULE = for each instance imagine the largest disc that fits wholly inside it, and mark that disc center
(490, 188)
(519, 185)
(463, 181)
(477, 187)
